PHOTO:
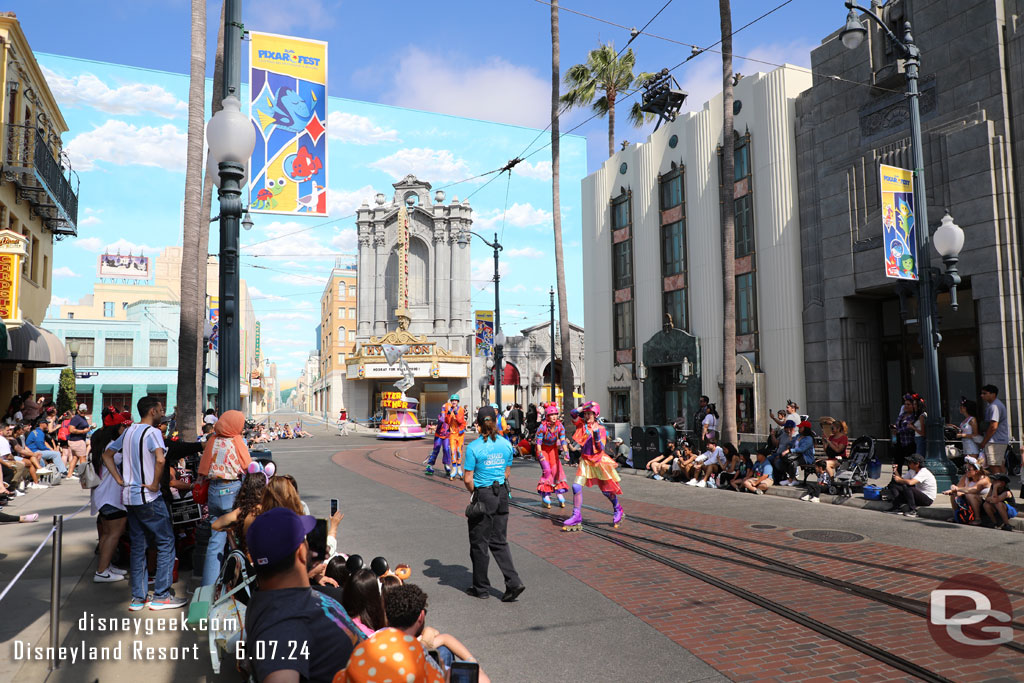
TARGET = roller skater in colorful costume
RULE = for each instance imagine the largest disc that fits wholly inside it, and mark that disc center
(455, 416)
(441, 445)
(595, 467)
(550, 442)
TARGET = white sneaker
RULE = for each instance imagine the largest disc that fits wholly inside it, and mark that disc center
(759, 492)
(806, 496)
(107, 577)
(702, 484)
(19, 492)
(45, 470)
(73, 477)
(37, 486)
(692, 482)
(114, 570)
(815, 499)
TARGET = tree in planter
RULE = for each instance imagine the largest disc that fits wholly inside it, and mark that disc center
(67, 393)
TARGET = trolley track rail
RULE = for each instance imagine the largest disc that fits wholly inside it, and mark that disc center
(618, 538)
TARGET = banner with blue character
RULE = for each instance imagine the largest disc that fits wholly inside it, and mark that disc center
(899, 238)
(288, 110)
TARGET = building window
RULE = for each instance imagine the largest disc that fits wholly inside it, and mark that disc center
(672, 190)
(108, 309)
(674, 304)
(341, 290)
(352, 291)
(118, 353)
(341, 334)
(746, 304)
(744, 226)
(624, 325)
(620, 407)
(341, 359)
(351, 335)
(352, 313)
(741, 158)
(158, 353)
(673, 249)
(86, 350)
(35, 260)
(620, 211)
(622, 264)
(71, 315)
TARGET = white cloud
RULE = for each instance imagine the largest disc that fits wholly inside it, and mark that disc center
(517, 288)
(64, 271)
(527, 252)
(59, 301)
(258, 294)
(123, 246)
(300, 278)
(284, 18)
(131, 99)
(703, 80)
(89, 243)
(286, 316)
(518, 215)
(481, 277)
(345, 240)
(123, 144)
(345, 202)
(287, 243)
(492, 89)
(89, 220)
(358, 130)
(538, 171)
(433, 165)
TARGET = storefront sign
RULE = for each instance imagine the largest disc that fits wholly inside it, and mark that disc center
(899, 237)
(12, 251)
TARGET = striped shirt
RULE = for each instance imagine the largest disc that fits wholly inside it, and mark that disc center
(136, 480)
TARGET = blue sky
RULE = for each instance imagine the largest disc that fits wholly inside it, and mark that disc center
(487, 61)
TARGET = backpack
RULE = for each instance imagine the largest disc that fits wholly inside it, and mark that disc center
(62, 432)
(963, 512)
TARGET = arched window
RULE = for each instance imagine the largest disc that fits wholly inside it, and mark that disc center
(419, 275)
(341, 333)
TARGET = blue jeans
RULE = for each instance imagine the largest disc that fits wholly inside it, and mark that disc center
(54, 458)
(221, 501)
(151, 521)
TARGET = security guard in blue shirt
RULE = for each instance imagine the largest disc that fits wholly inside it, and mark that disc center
(487, 466)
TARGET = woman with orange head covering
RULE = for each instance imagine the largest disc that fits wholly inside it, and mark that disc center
(225, 460)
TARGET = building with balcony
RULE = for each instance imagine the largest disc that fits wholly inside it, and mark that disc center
(38, 204)
(652, 263)
(337, 338)
(126, 358)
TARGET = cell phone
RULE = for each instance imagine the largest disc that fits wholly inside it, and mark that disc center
(464, 672)
(334, 506)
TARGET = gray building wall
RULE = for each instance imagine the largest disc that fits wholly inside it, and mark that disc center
(972, 102)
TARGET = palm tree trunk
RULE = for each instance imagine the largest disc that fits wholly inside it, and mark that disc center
(611, 122)
(204, 225)
(728, 414)
(190, 330)
(556, 210)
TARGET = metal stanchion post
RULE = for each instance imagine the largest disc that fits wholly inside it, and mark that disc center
(58, 538)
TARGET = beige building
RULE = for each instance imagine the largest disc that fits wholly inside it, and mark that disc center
(111, 297)
(337, 339)
(652, 247)
(38, 204)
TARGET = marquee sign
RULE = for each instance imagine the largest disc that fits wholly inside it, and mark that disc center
(13, 249)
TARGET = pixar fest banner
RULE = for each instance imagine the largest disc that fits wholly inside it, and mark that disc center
(898, 225)
(288, 86)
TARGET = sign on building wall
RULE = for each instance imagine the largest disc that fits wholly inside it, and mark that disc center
(13, 248)
(213, 312)
(898, 222)
(257, 342)
(484, 332)
(288, 110)
(124, 267)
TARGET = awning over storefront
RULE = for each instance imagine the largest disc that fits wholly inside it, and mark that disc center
(35, 347)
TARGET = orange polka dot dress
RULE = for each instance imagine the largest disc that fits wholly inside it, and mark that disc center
(390, 656)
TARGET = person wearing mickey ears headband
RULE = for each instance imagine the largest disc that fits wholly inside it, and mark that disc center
(487, 466)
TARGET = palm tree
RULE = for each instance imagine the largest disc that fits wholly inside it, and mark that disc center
(190, 330)
(728, 428)
(610, 73)
(563, 302)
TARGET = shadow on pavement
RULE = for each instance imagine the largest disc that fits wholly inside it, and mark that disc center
(451, 575)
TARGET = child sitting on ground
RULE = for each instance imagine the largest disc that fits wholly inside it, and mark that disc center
(999, 502)
(814, 487)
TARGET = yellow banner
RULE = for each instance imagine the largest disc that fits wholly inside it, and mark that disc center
(299, 57)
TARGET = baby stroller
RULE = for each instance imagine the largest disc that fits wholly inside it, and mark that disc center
(223, 606)
(853, 472)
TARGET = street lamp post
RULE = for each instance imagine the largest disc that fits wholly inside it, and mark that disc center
(499, 338)
(73, 350)
(231, 140)
(948, 243)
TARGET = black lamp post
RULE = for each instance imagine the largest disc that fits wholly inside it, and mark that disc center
(231, 140)
(73, 350)
(499, 337)
(949, 239)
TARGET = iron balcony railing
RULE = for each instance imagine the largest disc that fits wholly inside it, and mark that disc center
(40, 179)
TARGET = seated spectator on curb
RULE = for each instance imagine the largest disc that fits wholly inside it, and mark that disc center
(23, 453)
(406, 607)
(623, 454)
(761, 477)
(999, 503)
(778, 457)
(837, 442)
(401, 658)
(739, 467)
(363, 603)
(660, 465)
(35, 441)
(910, 493)
(969, 491)
(15, 469)
(800, 452)
(285, 608)
(708, 464)
(814, 487)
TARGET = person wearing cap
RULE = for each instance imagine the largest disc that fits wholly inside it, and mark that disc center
(999, 502)
(623, 455)
(292, 633)
(455, 416)
(105, 499)
(549, 444)
(78, 428)
(786, 440)
(800, 452)
(970, 490)
(595, 468)
(910, 493)
(488, 463)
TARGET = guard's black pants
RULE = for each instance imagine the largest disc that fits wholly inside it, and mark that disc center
(488, 532)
